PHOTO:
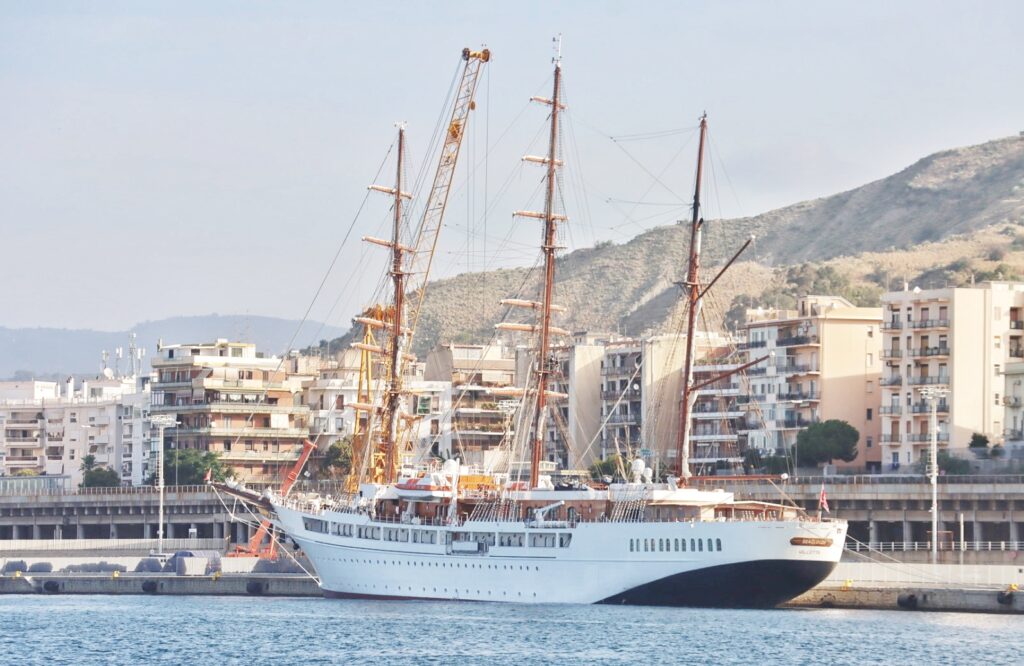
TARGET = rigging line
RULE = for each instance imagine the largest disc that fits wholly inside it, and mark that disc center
(348, 233)
(252, 415)
(641, 136)
(657, 179)
(728, 180)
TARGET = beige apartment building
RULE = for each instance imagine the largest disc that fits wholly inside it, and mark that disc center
(959, 340)
(573, 433)
(480, 418)
(230, 399)
(821, 361)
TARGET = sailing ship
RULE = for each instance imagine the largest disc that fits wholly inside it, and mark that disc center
(454, 533)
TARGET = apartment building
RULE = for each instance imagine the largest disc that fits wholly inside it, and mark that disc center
(960, 341)
(48, 428)
(718, 411)
(335, 387)
(230, 399)
(481, 417)
(573, 431)
(640, 397)
(820, 361)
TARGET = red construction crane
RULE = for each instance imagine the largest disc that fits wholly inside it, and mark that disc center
(255, 545)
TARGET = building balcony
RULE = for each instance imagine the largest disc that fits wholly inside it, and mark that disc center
(923, 437)
(798, 369)
(889, 439)
(797, 341)
(799, 422)
(752, 344)
(929, 323)
(892, 353)
(720, 390)
(895, 380)
(930, 351)
(926, 408)
(618, 371)
(24, 440)
(1013, 435)
(713, 437)
(1017, 325)
(892, 325)
(239, 407)
(627, 419)
(713, 414)
(258, 456)
(1016, 352)
(890, 410)
(629, 394)
(756, 372)
(926, 380)
(244, 433)
(800, 395)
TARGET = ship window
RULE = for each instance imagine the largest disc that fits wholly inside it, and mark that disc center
(693, 546)
(564, 540)
(718, 545)
(677, 545)
(631, 545)
(661, 545)
(709, 546)
(700, 545)
(645, 545)
(684, 544)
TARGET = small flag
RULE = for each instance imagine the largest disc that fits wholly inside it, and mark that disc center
(209, 473)
(823, 499)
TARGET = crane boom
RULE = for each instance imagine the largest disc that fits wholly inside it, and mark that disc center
(437, 198)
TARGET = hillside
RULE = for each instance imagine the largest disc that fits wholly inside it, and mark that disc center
(45, 351)
(890, 228)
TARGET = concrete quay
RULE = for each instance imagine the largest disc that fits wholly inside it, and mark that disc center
(273, 585)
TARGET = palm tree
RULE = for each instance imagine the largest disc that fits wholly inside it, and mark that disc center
(88, 463)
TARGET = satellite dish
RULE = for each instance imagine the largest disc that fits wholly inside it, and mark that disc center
(108, 373)
(636, 387)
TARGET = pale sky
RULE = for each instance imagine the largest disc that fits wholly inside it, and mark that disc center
(182, 158)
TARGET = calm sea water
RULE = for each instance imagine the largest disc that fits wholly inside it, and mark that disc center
(239, 630)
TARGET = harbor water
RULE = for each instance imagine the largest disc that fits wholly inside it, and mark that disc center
(245, 630)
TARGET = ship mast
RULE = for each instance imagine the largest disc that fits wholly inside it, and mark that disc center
(394, 387)
(550, 224)
(693, 298)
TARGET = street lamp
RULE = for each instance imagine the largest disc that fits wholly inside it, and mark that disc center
(161, 422)
(932, 394)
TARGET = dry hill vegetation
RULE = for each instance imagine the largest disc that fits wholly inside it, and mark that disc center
(949, 219)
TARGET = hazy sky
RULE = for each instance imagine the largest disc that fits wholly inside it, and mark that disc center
(172, 158)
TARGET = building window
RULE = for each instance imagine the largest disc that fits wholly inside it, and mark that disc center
(870, 413)
(869, 387)
(997, 399)
(870, 441)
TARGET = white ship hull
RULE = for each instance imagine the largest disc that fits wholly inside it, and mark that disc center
(732, 563)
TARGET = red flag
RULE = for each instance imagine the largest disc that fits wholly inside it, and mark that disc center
(209, 473)
(823, 499)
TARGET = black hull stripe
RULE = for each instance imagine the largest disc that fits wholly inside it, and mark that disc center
(757, 584)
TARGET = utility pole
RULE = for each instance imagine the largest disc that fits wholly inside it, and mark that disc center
(161, 422)
(932, 394)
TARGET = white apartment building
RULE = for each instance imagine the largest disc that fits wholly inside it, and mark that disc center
(959, 340)
(821, 361)
(718, 412)
(49, 427)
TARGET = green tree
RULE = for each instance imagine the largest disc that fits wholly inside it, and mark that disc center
(88, 463)
(187, 467)
(978, 441)
(338, 457)
(608, 467)
(826, 441)
(99, 477)
(953, 465)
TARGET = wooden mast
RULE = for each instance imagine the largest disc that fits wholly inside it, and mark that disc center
(550, 224)
(394, 388)
(692, 285)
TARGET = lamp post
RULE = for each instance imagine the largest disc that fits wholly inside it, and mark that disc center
(932, 394)
(161, 422)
